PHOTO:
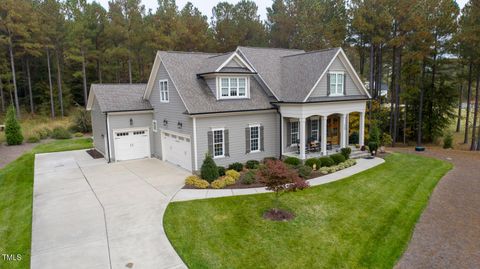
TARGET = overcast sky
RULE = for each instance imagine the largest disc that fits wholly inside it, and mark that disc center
(205, 6)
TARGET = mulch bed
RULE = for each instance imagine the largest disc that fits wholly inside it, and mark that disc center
(278, 215)
(95, 154)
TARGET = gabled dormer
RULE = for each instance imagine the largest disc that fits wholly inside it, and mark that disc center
(228, 76)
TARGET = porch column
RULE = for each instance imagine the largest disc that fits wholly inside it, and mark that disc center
(361, 131)
(347, 129)
(324, 136)
(282, 135)
(342, 130)
(301, 122)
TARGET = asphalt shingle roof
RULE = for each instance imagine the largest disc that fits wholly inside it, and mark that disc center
(120, 97)
(183, 69)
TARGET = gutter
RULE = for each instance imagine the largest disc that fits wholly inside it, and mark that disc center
(322, 101)
(230, 111)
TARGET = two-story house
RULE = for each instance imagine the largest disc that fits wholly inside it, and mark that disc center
(243, 105)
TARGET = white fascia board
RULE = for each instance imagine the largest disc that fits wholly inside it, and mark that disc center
(237, 57)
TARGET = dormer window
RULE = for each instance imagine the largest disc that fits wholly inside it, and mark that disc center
(336, 83)
(233, 87)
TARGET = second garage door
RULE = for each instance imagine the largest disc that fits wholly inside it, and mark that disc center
(177, 150)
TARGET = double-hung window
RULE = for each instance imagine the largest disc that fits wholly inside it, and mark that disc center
(337, 83)
(163, 84)
(218, 143)
(233, 87)
(254, 138)
(294, 132)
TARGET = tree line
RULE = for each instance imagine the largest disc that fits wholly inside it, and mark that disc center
(426, 52)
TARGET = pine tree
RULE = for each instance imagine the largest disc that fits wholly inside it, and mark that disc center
(13, 131)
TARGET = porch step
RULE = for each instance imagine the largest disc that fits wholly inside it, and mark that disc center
(359, 154)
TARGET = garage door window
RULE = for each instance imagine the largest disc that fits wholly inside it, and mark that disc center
(218, 143)
(122, 134)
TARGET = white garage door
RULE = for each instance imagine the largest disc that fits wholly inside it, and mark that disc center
(131, 144)
(177, 150)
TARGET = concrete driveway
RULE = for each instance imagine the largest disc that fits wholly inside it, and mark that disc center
(90, 214)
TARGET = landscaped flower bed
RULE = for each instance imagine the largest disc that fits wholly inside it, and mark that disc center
(239, 176)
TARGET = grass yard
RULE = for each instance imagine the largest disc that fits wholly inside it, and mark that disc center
(364, 221)
(16, 189)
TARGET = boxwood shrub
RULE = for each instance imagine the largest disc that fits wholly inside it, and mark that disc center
(346, 152)
(304, 171)
(337, 158)
(326, 161)
(236, 166)
(221, 170)
(252, 164)
(313, 161)
(248, 178)
(292, 161)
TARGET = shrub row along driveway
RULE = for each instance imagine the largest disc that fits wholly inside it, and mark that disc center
(89, 214)
(448, 233)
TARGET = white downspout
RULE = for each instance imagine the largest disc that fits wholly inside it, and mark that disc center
(195, 166)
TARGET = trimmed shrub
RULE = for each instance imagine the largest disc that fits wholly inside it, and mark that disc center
(221, 171)
(81, 121)
(269, 159)
(236, 166)
(324, 170)
(13, 130)
(448, 141)
(292, 161)
(33, 139)
(304, 171)
(314, 161)
(346, 152)
(196, 182)
(77, 134)
(229, 180)
(326, 161)
(252, 164)
(248, 178)
(61, 133)
(232, 173)
(337, 158)
(373, 147)
(209, 170)
(218, 183)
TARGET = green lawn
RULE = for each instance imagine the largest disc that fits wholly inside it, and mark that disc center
(364, 221)
(16, 188)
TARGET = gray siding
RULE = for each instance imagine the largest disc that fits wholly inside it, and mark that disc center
(173, 111)
(337, 65)
(212, 84)
(123, 122)
(98, 128)
(237, 144)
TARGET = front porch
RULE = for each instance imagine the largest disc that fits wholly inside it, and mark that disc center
(321, 129)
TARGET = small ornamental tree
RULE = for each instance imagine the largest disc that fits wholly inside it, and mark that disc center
(13, 131)
(279, 178)
(209, 170)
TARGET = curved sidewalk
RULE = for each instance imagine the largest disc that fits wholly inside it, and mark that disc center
(195, 194)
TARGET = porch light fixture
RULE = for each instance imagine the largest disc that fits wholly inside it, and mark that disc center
(165, 122)
(179, 125)
(131, 122)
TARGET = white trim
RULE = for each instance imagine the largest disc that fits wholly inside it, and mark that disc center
(235, 113)
(91, 99)
(352, 71)
(219, 87)
(154, 126)
(109, 137)
(256, 125)
(223, 143)
(195, 165)
(235, 54)
(166, 93)
(130, 112)
(258, 74)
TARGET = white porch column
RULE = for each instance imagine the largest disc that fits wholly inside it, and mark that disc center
(301, 122)
(361, 131)
(342, 130)
(324, 136)
(282, 135)
(347, 129)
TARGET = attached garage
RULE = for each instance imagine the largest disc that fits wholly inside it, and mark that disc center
(176, 149)
(131, 144)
